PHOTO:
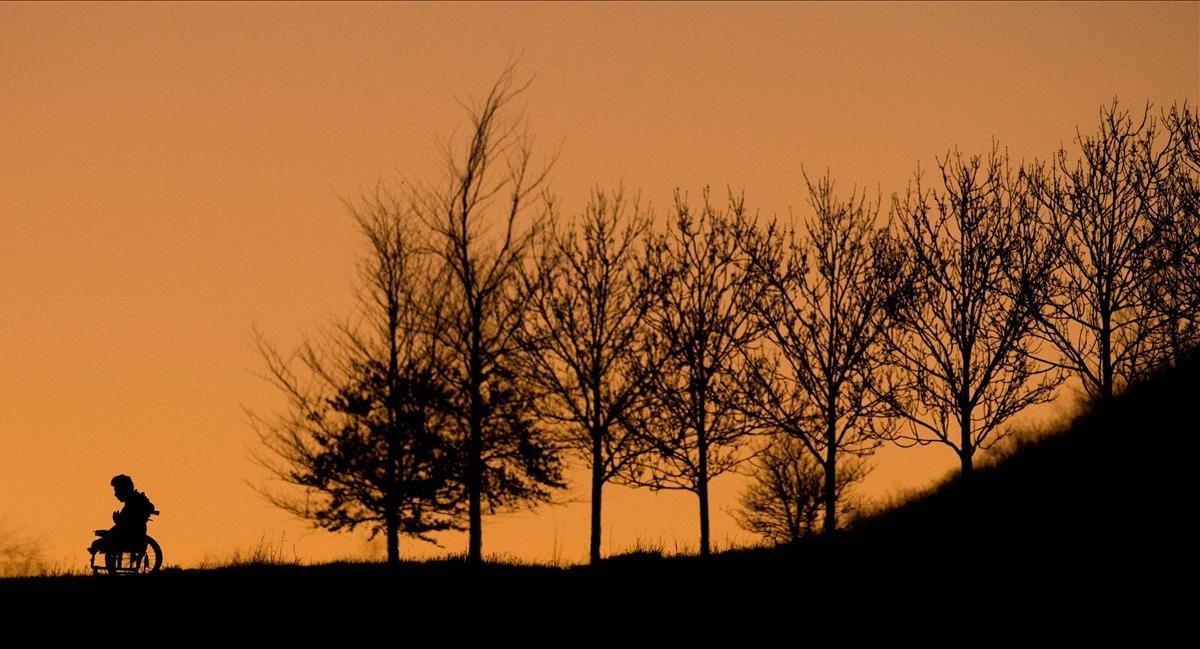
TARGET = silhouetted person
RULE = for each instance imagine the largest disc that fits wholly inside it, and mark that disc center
(130, 521)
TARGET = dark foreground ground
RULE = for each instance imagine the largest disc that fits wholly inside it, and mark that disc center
(1091, 522)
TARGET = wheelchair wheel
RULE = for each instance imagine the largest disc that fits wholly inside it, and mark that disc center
(151, 559)
(146, 562)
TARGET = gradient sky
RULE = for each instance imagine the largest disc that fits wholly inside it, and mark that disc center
(169, 176)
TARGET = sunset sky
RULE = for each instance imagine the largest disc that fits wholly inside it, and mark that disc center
(170, 176)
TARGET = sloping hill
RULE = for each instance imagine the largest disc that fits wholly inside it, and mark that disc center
(1104, 500)
(1114, 482)
(1097, 510)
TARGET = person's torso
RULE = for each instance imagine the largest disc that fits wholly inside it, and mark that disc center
(136, 510)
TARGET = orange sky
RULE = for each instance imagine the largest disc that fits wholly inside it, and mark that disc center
(169, 175)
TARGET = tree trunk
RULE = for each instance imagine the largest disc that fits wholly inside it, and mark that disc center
(702, 481)
(1176, 341)
(702, 493)
(1106, 368)
(393, 536)
(392, 515)
(597, 490)
(475, 464)
(966, 453)
(599, 432)
(830, 523)
(830, 486)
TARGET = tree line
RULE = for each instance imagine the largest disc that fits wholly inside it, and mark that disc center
(495, 340)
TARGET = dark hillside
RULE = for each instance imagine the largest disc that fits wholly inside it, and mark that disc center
(1096, 511)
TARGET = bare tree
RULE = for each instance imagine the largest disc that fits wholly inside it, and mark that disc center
(1100, 319)
(826, 298)
(962, 352)
(1184, 124)
(701, 327)
(483, 216)
(363, 431)
(786, 497)
(586, 333)
(1174, 291)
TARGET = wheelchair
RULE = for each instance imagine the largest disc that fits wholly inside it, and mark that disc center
(140, 557)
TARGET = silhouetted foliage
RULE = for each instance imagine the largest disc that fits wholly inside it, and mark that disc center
(20, 554)
(825, 299)
(962, 351)
(787, 498)
(483, 217)
(364, 429)
(701, 325)
(584, 336)
(1100, 317)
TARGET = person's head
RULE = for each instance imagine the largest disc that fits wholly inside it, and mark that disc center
(122, 486)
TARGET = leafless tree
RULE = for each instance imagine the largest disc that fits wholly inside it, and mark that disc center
(786, 497)
(483, 215)
(701, 325)
(586, 334)
(1175, 211)
(962, 352)
(363, 431)
(1100, 319)
(1183, 122)
(826, 298)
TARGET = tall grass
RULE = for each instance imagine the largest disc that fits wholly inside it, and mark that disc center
(21, 554)
(266, 552)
